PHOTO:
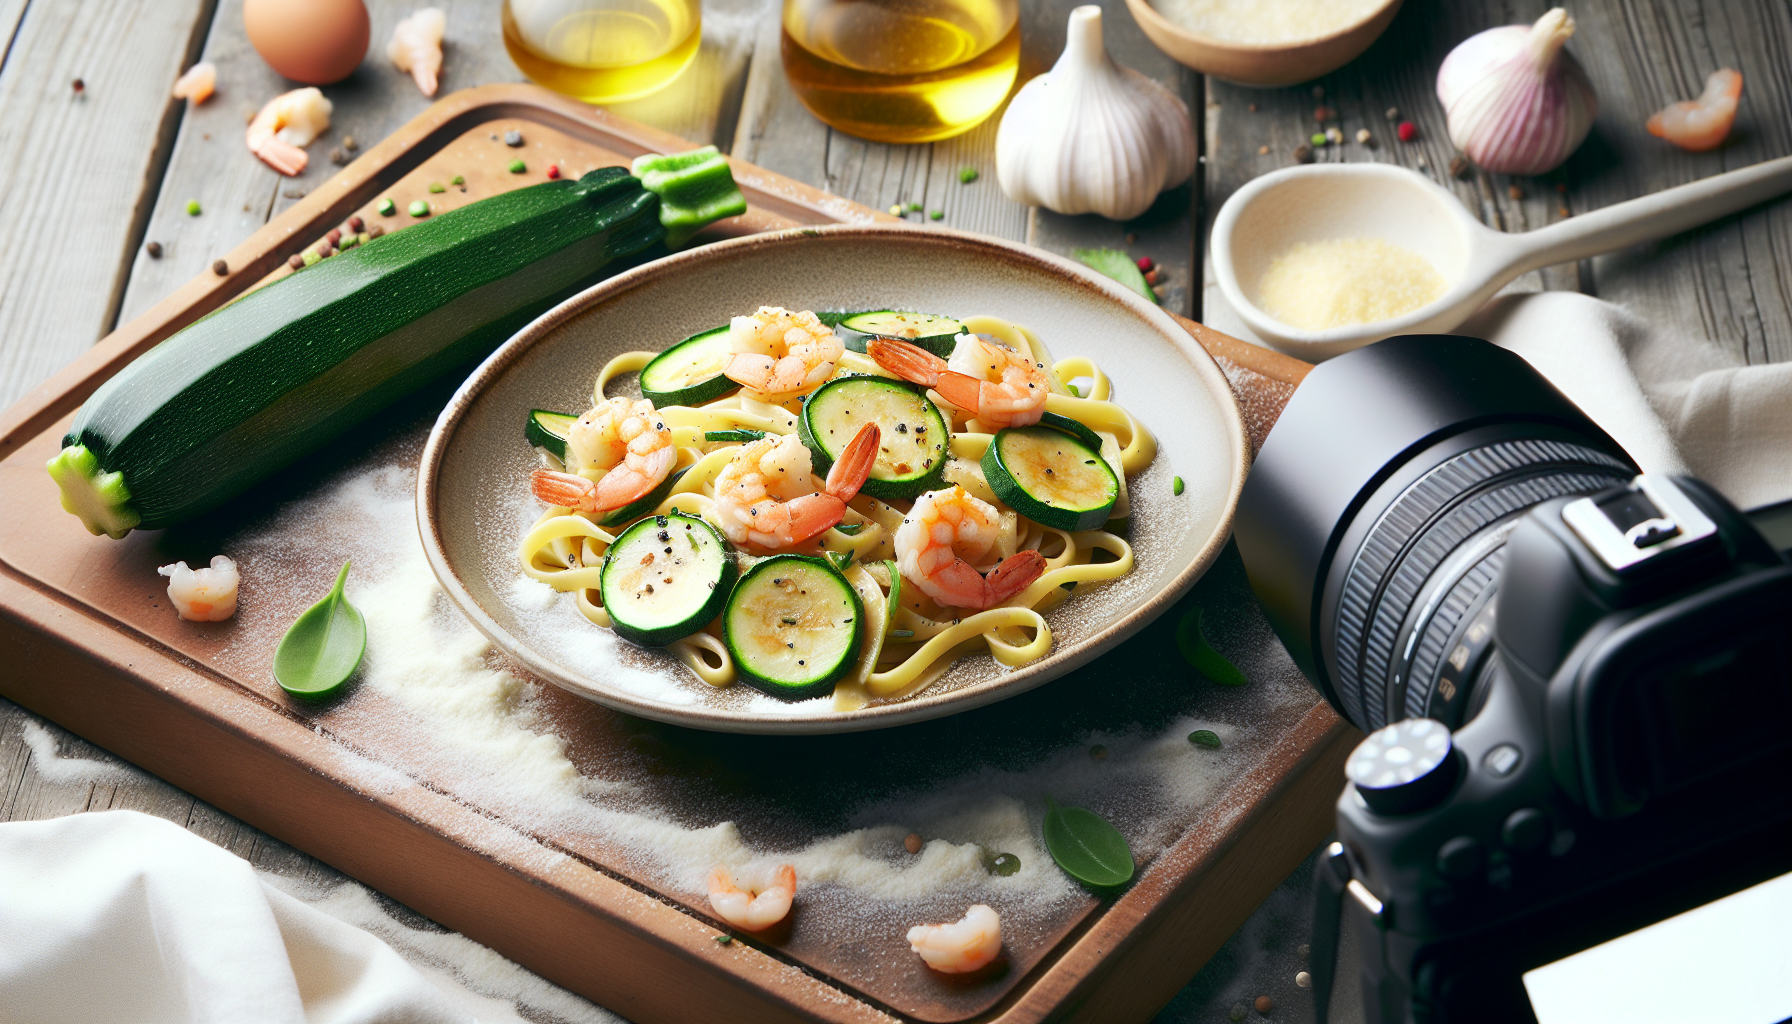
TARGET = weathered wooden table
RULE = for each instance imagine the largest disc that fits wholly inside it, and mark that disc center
(93, 175)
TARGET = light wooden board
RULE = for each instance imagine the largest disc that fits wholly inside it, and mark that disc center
(79, 168)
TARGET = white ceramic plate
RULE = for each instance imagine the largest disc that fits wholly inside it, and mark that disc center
(473, 502)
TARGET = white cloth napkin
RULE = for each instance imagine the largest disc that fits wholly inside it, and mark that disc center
(122, 917)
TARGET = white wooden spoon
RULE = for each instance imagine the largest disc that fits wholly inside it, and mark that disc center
(1322, 201)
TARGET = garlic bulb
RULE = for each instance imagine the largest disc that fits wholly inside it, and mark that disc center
(1091, 137)
(1517, 102)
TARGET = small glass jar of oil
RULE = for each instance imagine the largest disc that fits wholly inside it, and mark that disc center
(901, 70)
(603, 51)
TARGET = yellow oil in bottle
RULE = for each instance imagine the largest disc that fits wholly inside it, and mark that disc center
(602, 51)
(901, 70)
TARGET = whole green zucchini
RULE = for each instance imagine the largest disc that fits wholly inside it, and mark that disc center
(249, 388)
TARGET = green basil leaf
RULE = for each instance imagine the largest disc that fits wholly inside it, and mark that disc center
(324, 646)
(733, 435)
(850, 529)
(1205, 738)
(1191, 639)
(1088, 848)
(1119, 266)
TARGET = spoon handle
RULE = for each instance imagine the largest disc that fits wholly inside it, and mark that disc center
(1652, 216)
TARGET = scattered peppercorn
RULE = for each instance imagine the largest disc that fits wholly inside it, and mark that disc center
(335, 236)
(1261, 150)
(294, 193)
(1264, 1004)
(436, 186)
(1408, 131)
(79, 86)
(375, 231)
(220, 268)
(419, 208)
(1150, 278)
(349, 143)
(1363, 136)
(1131, 238)
(193, 208)
(387, 208)
(1303, 154)
(1303, 980)
(1323, 114)
(1561, 188)
(553, 172)
(457, 180)
(154, 249)
(1393, 113)
(513, 138)
(295, 261)
(913, 843)
(1253, 108)
(1514, 191)
(966, 175)
(357, 225)
(1145, 264)
(1176, 485)
(938, 215)
(518, 167)
(338, 157)
(1562, 211)
(1459, 166)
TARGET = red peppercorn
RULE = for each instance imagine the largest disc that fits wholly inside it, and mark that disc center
(296, 262)
(334, 236)
(357, 225)
(553, 171)
(1408, 131)
(1145, 264)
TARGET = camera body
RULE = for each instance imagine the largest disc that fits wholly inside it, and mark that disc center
(1577, 681)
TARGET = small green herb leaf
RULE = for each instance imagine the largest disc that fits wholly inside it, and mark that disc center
(850, 529)
(895, 598)
(733, 435)
(1176, 485)
(323, 648)
(841, 559)
(901, 634)
(1191, 639)
(1119, 266)
(1088, 848)
(1205, 738)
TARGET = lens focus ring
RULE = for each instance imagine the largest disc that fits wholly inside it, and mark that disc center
(1418, 532)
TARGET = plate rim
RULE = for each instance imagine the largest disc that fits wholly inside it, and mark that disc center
(1011, 683)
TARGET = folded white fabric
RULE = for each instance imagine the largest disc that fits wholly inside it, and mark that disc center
(122, 917)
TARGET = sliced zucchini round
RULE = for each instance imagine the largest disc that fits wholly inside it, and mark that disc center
(665, 578)
(1050, 477)
(1075, 428)
(546, 429)
(640, 507)
(935, 333)
(792, 625)
(913, 436)
(690, 372)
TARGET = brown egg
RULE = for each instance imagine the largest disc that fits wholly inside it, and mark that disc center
(311, 41)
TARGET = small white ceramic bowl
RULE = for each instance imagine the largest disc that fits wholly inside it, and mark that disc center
(1263, 64)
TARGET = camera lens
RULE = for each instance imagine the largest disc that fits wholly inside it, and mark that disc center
(1373, 524)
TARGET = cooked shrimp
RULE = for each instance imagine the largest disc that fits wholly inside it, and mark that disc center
(197, 84)
(1703, 123)
(779, 352)
(765, 496)
(416, 47)
(203, 595)
(287, 124)
(622, 450)
(756, 908)
(942, 540)
(962, 946)
(991, 382)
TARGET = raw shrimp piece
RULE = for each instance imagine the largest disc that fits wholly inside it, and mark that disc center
(196, 85)
(619, 451)
(1703, 123)
(779, 352)
(416, 47)
(961, 946)
(995, 384)
(945, 536)
(765, 497)
(757, 907)
(203, 595)
(281, 130)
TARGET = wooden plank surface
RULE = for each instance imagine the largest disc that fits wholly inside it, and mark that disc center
(79, 167)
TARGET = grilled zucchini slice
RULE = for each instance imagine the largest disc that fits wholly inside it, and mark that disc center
(792, 625)
(913, 436)
(1050, 477)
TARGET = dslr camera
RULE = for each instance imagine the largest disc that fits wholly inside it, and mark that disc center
(1575, 679)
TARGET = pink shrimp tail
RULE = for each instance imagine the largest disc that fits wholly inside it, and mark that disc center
(962, 390)
(910, 362)
(854, 465)
(812, 514)
(623, 485)
(563, 489)
(1016, 573)
(288, 160)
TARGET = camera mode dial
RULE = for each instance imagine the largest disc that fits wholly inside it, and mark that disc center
(1404, 767)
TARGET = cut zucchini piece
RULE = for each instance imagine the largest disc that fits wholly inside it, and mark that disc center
(636, 509)
(1050, 477)
(792, 625)
(935, 333)
(913, 438)
(1075, 428)
(665, 578)
(547, 429)
(690, 372)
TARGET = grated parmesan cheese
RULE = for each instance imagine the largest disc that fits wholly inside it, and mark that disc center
(1341, 281)
(1266, 21)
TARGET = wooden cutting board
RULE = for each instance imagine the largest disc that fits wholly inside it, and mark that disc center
(361, 783)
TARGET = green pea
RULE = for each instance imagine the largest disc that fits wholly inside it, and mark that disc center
(518, 167)
(192, 207)
(436, 186)
(457, 180)
(938, 215)
(387, 208)
(1175, 485)
(966, 175)
(419, 208)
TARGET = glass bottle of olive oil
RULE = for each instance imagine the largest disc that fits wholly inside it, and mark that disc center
(602, 51)
(901, 70)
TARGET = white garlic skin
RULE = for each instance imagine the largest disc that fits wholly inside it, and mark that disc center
(1091, 137)
(1517, 102)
